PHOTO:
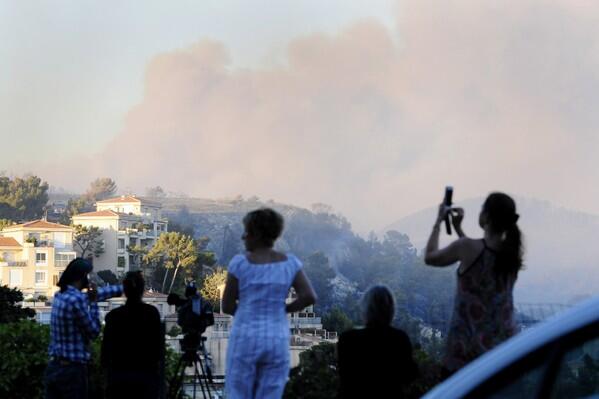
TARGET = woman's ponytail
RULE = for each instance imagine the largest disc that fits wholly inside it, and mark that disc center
(501, 211)
(509, 258)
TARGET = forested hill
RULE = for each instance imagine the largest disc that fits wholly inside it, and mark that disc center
(306, 231)
(340, 264)
(561, 259)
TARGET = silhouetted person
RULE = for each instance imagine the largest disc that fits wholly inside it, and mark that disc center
(483, 314)
(74, 322)
(257, 286)
(375, 361)
(133, 345)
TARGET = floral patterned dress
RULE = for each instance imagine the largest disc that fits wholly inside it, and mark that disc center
(483, 314)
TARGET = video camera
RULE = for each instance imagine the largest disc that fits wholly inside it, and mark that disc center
(194, 314)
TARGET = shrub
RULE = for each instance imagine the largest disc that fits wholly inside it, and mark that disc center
(174, 331)
(23, 358)
(10, 310)
(429, 375)
(316, 375)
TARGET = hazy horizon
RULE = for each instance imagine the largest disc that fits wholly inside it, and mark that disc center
(371, 109)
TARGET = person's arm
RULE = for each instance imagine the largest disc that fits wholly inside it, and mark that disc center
(457, 215)
(434, 256)
(88, 319)
(230, 295)
(109, 291)
(305, 293)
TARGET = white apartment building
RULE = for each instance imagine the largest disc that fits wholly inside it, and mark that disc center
(125, 222)
(33, 255)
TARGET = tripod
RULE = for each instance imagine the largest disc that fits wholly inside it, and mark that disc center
(191, 345)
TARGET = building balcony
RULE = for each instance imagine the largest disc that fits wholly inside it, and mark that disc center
(314, 322)
(138, 233)
(37, 243)
(61, 263)
(18, 263)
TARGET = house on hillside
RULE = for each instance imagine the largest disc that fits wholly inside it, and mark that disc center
(125, 222)
(33, 255)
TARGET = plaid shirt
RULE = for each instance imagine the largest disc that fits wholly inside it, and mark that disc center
(75, 322)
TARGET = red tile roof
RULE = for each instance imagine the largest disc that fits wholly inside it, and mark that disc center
(37, 224)
(8, 242)
(105, 213)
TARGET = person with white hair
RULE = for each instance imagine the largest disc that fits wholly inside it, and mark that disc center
(375, 361)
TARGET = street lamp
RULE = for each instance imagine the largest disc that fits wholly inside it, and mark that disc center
(221, 290)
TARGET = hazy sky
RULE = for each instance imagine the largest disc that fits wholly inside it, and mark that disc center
(371, 107)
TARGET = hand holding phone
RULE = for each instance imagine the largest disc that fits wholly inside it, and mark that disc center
(92, 292)
(447, 201)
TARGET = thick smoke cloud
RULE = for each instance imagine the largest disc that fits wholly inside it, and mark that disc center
(485, 96)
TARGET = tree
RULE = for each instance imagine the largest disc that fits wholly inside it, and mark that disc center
(155, 192)
(211, 288)
(101, 188)
(336, 320)
(186, 229)
(10, 311)
(231, 243)
(22, 198)
(5, 223)
(320, 273)
(206, 260)
(89, 240)
(173, 250)
(23, 356)
(316, 375)
(138, 252)
(108, 277)
(74, 207)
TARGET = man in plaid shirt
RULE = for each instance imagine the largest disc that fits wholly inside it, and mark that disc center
(75, 321)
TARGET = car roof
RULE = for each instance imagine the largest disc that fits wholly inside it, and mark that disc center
(481, 369)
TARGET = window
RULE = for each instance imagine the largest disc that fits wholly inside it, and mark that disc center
(121, 261)
(15, 278)
(121, 243)
(40, 258)
(60, 240)
(40, 278)
(521, 379)
(565, 368)
(62, 260)
(578, 375)
(55, 279)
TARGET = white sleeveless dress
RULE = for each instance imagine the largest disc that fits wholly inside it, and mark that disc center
(258, 349)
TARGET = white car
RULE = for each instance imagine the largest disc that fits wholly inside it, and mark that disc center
(558, 358)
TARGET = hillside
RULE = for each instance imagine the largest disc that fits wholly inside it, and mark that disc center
(306, 231)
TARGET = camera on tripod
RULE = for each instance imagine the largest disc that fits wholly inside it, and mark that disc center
(194, 314)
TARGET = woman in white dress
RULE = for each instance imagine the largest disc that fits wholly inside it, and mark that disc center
(258, 283)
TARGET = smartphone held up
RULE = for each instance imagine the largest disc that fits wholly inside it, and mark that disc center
(448, 201)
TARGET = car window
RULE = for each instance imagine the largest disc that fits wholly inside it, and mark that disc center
(565, 368)
(521, 379)
(523, 386)
(578, 375)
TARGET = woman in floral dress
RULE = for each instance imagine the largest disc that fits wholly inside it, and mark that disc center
(483, 314)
